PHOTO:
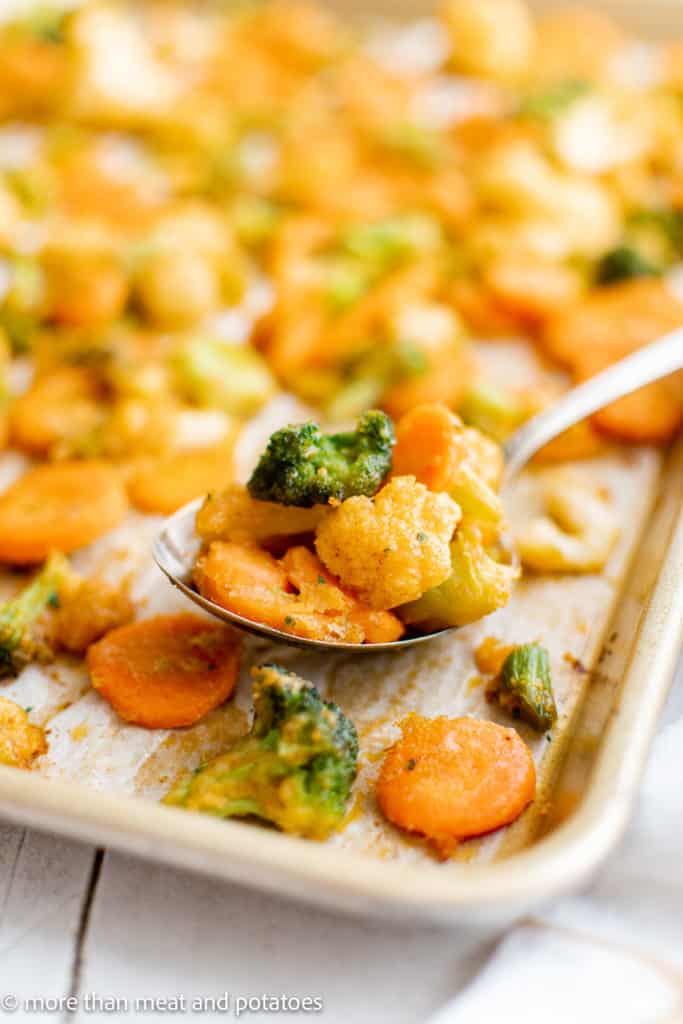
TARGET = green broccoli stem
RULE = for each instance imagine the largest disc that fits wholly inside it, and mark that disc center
(525, 686)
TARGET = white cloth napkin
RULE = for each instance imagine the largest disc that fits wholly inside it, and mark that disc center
(614, 954)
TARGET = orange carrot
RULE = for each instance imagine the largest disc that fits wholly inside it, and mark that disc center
(609, 325)
(167, 671)
(166, 484)
(59, 506)
(490, 655)
(87, 292)
(250, 582)
(450, 779)
(297, 594)
(654, 414)
(313, 581)
(581, 441)
(429, 446)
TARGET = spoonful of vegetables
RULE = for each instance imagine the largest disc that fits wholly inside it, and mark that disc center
(377, 538)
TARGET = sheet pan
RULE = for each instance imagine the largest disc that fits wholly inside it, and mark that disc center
(614, 639)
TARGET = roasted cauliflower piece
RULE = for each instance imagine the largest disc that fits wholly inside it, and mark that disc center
(232, 514)
(392, 548)
(577, 533)
(89, 608)
(20, 741)
(476, 586)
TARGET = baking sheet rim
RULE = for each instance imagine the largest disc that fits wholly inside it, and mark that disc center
(357, 883)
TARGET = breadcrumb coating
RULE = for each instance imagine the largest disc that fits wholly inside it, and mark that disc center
(20, 742)
(391, 548)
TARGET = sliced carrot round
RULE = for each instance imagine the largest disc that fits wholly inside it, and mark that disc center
(59, 506)
(167, 671)
(428, 445)
(251, 583)
(449, 779)
(166, 484)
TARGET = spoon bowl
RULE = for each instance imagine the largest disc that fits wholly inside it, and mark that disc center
(176, 547)
(175, 551)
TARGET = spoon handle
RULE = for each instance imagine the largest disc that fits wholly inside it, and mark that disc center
(648, 364)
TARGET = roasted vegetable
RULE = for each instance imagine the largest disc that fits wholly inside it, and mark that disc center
(294, 769)
(451, 778)
(433, 446)
(232, 514)
(495, 410)
(622, 263)
(21, 638)
(23, 302)
(213, 374)
(382, 244)
(393, 548)
(524, 686)
(20, 741)
(577, 533)
(302, 466)
(478, 584)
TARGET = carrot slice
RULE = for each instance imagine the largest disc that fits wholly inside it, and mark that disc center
(250, 582)
(320, 588)
(450, 779)
(653, 415)
(428, 446)
(166, 484)
(59, 506)
(167, 671)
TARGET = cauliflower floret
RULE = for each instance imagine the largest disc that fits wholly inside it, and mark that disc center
(391, 548)
(577, 533)
(89, 608)
(20, 742)
(517, 180)
(232, 514)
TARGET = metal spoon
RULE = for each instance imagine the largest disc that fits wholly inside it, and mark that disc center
(176, 547)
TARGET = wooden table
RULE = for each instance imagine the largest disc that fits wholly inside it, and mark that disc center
(96, 926)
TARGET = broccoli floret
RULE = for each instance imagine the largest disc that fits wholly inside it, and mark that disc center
(215, 374)
(23, 303)
(495, 410)
(21, 638)
(623, 263)
(524, 686)
(295, 768)
(302, 466)
(477, 586)
(384, 243)
(657, 232)
(46, 23)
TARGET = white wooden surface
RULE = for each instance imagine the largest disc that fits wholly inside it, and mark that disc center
(96, 926)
